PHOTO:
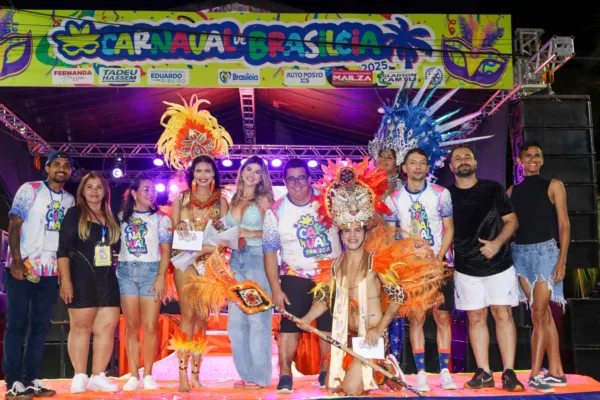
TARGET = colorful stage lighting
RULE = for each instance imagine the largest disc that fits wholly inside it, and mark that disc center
(160, 187)
(244, 161)
(312, 163)
(227, 163)
(173, 188)
(158, 162)
(276, 163)
(117, 173)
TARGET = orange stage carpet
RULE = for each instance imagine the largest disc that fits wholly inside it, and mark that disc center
(219, 374)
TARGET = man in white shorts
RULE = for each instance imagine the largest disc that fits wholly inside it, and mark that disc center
(484, 222)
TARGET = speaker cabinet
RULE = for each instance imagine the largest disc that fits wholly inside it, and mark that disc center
(583, 319)
(562, 125)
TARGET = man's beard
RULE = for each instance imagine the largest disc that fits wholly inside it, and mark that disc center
(463, 173)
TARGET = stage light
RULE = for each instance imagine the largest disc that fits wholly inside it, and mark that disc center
(312, 163)
(276, 163)
(244, 161)
(173, 188)
(158, 162)
(266, 161)
(117, 173)
(119, 168)
(227, 163)
(160, 187)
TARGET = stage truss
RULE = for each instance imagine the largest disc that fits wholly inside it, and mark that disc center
(534, 70)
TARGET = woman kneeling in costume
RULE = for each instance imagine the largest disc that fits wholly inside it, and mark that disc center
(366, 287)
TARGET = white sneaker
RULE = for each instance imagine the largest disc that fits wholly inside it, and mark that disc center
(78, 383)
(132, 384)
(150, 383)
(422, 384)
(446, 381)
(100, 383)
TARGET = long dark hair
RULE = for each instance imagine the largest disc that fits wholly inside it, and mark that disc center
(208, 160)
(128, 201)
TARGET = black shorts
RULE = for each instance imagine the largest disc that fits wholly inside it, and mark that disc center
(297, 291)
(448, 292)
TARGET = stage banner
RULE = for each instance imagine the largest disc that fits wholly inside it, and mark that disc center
(262, 50)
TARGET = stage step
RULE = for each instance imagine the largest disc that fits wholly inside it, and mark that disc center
(222, 346)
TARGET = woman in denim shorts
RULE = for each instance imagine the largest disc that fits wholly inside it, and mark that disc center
(250, 335)
(146, 238)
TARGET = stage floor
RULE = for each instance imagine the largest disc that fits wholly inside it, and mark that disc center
(219, 373)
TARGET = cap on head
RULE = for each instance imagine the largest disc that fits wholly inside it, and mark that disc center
(57, 154)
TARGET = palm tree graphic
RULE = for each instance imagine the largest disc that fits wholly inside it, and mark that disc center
(407, 43)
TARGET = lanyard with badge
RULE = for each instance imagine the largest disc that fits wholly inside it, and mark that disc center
(102, 253)
(51, 235)
(415, 224)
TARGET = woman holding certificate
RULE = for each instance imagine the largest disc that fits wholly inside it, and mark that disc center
(192, 139)
(250, 335)
(89, 284)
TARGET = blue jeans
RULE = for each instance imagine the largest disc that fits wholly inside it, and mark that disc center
(28, 303)
(536, 262)
(250, 335)
(136, 278)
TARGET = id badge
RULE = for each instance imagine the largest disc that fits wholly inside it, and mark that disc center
(102, 256)
(414, 228)
(50, 240)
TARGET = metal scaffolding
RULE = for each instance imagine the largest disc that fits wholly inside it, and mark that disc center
(227, 177)
(236, 152)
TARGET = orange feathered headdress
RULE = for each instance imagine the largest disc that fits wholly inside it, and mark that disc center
(191, 132)
(351, 193)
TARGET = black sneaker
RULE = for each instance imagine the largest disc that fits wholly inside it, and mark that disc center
(39, 390)
(510, 381)
(18, 391)
(322, 376)
(481, 379)
(285, 385)
(537, 383)
(555, 380)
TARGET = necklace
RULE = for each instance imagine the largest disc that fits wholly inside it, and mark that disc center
(195, 201)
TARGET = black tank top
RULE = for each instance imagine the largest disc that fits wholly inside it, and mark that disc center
(535, 211)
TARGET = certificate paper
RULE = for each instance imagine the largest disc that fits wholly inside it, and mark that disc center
(368, 352)
(193, 241)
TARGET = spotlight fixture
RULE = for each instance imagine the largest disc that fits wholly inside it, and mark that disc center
(160, 187)
(276, 163)
(244, 161)
(158, 162)
(173, 187)
(312, 163)
(227, 163)
(119, 168)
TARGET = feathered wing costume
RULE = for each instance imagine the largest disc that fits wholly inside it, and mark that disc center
(189, 132)
(350, 195)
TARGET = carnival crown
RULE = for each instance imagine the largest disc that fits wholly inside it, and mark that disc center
(350, 193)
(190, 133)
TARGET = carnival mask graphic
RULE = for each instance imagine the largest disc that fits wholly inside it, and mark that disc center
(16, 49)
(471, 56)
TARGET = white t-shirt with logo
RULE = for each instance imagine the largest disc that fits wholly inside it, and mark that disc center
(142, 235)
(41, 209)
(302, 240)
(428, 208)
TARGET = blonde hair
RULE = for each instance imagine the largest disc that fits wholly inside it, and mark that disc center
(263, 190)
(114, 231)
